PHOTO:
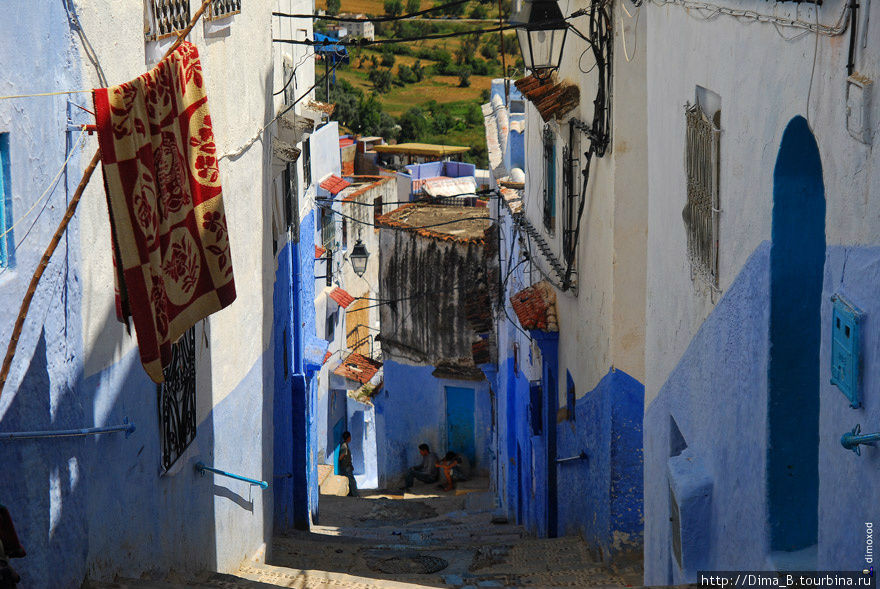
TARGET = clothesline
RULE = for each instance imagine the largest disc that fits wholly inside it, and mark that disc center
(59, 93)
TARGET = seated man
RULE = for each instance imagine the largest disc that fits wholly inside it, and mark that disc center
(426, 471)
(455, 467)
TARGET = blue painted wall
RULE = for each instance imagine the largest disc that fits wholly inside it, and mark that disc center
(601, 498)
(717, 397)
(411, 409)
(296, 353)
(849, 485)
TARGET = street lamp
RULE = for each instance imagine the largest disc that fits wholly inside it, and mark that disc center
(358, 257)
(541, 30)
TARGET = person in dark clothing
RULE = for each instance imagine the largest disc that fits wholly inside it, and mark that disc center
(346, 468)
(455, 467)
(426, 472)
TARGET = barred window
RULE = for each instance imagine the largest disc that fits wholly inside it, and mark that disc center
(222, 9)
(177, 399)
(700, 214)
(569, 203)
(165, 17)
(549, 180)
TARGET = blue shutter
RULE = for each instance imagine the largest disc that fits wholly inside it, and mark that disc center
(4, 226)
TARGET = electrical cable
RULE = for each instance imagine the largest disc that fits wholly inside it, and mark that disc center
(49, 188)
(367, 43)
(374, 19)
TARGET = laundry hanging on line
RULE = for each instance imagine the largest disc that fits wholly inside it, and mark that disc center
(161, 176)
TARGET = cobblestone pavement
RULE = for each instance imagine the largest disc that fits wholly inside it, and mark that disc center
(425, 539)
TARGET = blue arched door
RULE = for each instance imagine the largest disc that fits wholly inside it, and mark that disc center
(797, 258)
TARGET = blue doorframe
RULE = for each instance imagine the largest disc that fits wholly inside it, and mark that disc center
(797, 259)
(460, 405)
(337, 413)
(548, 342)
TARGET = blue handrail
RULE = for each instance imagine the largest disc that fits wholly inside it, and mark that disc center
(200, 466)
(126, 427)
(851, 440)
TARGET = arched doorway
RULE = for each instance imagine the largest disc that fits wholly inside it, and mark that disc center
(797, 258)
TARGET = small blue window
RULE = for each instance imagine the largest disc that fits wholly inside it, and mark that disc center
(846, 320)
(536, 405)
(570, 401)
(6, 243)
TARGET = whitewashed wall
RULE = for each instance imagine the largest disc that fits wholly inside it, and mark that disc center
(763, 81)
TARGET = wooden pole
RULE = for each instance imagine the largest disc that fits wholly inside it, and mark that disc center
(65, 221)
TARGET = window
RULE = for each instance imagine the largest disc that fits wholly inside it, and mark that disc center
(377, 209)
(549, 180)
(222, 9)
(328, 229)
(6, 242)
(536, 403)
(569, 203)
(291, 201)
(330, 326)
(700, 214)
(344, 233)
(307, 162)
(570, 401)
(177, 399)
(165, 17)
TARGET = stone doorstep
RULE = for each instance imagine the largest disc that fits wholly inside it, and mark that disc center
(334, 484)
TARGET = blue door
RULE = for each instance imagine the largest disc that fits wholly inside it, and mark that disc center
(460, 421)
(337, 417)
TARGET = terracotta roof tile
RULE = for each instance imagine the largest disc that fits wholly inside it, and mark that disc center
(535, 307)
(550, 96)
(334, 184)
(319, 251)
(342, 298)
(358, 368)
(326, 357)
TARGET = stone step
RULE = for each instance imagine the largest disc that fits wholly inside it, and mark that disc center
(274, 576)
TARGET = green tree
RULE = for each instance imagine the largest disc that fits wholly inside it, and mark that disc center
(478, 11)
(405, 74)
(333, 7)
(393, 7)
(418, 71)
(464, 77)
(473, 116)
(387, 60)
(381, 79)
(413, 125)
(413, 6)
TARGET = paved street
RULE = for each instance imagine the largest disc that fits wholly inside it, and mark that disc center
(423, 539)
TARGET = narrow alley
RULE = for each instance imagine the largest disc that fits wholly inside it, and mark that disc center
(439, 293)
(427, 538)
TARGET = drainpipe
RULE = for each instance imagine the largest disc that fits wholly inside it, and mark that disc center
(853, 14)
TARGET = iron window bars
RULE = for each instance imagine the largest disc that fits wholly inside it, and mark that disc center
(177, 400)
(570, 196)
(700, 214)
(165, 18)
(222, 9)
(549, 180)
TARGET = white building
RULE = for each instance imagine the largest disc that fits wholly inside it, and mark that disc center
(358, 27)
(762, 221)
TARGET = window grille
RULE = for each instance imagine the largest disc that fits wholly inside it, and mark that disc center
(569, 205)
(6, 242)
(307, 162)
(328, 229)
(291, 202)
(549, 180)
(700, 214)
(166, 17)
(177, 399)
(223, 8)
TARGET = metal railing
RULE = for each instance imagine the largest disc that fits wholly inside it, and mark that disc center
(581, 456)
(202, 468)
(126, 427)
(851, 440)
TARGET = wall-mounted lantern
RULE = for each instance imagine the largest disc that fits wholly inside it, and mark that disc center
(359, 256)
(541, 31)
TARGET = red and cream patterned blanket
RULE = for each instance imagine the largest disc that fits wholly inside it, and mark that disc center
(171, 246)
